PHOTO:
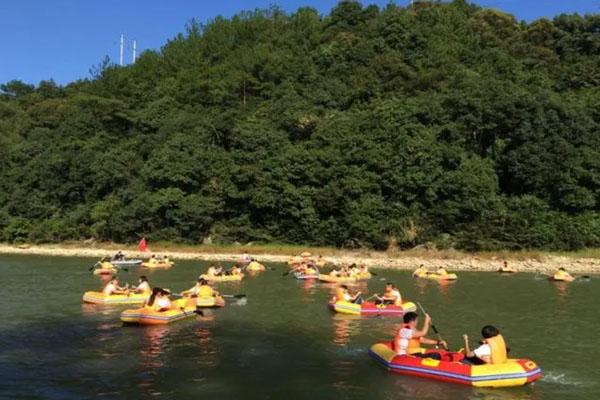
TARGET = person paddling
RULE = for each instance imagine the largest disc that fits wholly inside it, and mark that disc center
(391, 295)
(113, 288)
(162, 301)
(409, 339)
(343, 294)
(214, 271)
(143, 286)
(563, 275)
(492, 350)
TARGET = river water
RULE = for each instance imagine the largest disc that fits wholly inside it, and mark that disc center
(283, 343)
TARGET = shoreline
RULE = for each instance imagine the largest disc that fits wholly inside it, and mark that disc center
(407, 260)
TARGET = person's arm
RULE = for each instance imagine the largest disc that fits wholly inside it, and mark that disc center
(467, 349)
(424, 329)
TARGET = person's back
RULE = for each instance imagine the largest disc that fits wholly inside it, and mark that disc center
(162, 303)
(205, 291)
(109, 289)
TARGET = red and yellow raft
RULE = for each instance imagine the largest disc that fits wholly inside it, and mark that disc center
(514, 372)
(181, 309)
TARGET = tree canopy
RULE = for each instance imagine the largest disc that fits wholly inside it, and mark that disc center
(445, 123)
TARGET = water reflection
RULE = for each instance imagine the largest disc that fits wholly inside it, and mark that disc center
(345, 326)
(562, 289)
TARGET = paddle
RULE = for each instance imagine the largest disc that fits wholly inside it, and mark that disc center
(433, 326)
(233, 296)
(93, 266)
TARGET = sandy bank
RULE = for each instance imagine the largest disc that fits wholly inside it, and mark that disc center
(406, 261)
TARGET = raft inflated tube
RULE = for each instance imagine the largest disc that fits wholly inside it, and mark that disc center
(210, 302)
(369, 308)
(157, 264)
(114, 299)
(344, 279)
(181, 309)
(507, 270)
(222, 278)
(303, 276)
(514, 372)
(255, 266)
(105, 271)
(436, 277)
(561, 278)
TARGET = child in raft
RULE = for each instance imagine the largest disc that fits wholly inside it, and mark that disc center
(408, 340)
(113, 288)
(143, 286)
(563, 275)
(214, 271)
(200, 289)
(342, 293)
(159, 300)
(420, 270)
(491, 351)
(391, 295)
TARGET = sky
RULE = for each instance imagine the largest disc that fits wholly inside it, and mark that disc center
(63, 39)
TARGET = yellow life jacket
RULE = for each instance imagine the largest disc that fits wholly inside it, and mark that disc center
(339, 294)
(498, 349)
(205, 291)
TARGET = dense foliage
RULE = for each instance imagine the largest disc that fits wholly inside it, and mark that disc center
(442, 123)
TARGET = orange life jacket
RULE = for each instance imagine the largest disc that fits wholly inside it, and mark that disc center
(339, 294)
(414, 344)
(498, 349)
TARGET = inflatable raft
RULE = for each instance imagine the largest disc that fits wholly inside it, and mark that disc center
(210, 302)
(157, 264)
(303, 276)
(181, 309)
(114, 299)
(222, 278)
(369, 308)
(435, 276)
(561, 278)
(255, 266)
(514, 372)
(344, 279)
(126, 263)
(105, 271)
(507, 270)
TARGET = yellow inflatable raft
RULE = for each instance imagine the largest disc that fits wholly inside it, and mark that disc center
(113, 299)
(181, 309)
(105, 268)
(344, 279)
(210, 302)
(222, 278)
(435, 276)
(255, 266)
(153, 263)
(369, 308)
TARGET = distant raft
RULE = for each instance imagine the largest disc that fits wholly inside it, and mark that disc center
(514, 372)
(507, 270)
(181, 309)
(126, 263)
(304, 276)
(369, 308)
(345, 279)
(114, 299)
(255, 266)
(222, 278)
(435, 276)
(154, 263)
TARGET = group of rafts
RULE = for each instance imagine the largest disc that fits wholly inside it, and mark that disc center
(486, 366)
(158, 305)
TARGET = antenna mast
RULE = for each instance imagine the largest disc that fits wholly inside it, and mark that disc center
(121, 51)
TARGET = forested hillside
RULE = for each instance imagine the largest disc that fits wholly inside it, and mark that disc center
(444, 123)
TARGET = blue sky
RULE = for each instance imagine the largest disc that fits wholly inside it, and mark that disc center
(62, 39)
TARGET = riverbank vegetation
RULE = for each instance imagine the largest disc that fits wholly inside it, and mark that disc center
(444, 124)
